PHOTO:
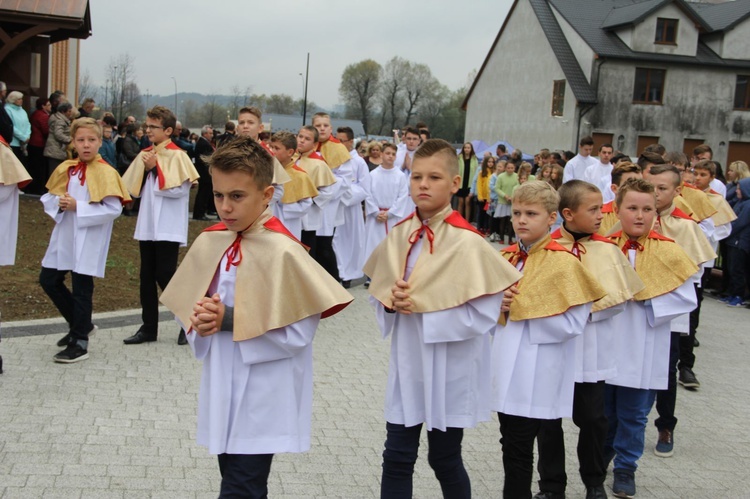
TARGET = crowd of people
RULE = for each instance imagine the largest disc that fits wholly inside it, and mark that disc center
(589, 311)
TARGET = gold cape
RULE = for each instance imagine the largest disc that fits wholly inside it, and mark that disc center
(460, 267)
(695, 203)
(678, 226)
(173, 167)
(101, 180)
(334, 152)
(318, 170)
(277, 282)
(661, 264)
(724, 213)
(12, 171)
(280, 175)
(553, 281)
(609, 218)
(300, 187)
(607, 263)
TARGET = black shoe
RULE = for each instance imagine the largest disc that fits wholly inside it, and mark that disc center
(597, 492)
(72, 353)
(202, 219)
(65, 340)
(696, 343)
(181, 338)
(687, 378)
(346, 284)
(1, 364)
(140, 337)
(548, 495)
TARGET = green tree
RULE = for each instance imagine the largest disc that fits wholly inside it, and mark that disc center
(359, 85)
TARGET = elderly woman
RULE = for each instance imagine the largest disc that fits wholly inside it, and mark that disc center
(21, 124)
(59, 136)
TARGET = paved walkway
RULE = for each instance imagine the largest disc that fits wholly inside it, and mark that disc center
(122, 424)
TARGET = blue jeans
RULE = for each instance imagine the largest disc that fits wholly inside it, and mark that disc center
(627, 412)
(444, 456)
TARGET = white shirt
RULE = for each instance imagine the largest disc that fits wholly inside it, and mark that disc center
(8, 223)
(576, 167)
(163, 214)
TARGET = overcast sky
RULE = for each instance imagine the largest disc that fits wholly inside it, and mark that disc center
(210, 46)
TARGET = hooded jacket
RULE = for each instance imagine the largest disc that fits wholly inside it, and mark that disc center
(740, 236)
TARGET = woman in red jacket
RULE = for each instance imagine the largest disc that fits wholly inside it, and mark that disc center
(37, 162)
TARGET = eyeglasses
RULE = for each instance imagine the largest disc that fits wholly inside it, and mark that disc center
(153, 127)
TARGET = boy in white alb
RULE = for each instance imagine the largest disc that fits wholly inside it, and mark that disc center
(161, 175)
(533, 368)
(254, 338)
(389, 203)
(13, 176)
(439, 367)
(85, 196)
(300, 190)
(642, 338)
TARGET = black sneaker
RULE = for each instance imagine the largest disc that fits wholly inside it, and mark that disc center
(72, 353)
(623, 485)
(548, 495)
(687, 378)
(63, 342)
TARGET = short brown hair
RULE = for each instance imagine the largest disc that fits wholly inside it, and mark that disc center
(622, 169)
(164, 115)
(660, 169)
(89, 123)
(703, 148)
(586, 141)
(649, 157)
(251, 110)
(537, 193)
(656, 148)
(676, 158)
(245, 155)
(312, 129)
(571, 194)
(286, 139)
(439, 147)
(390, 145)
(635, 185)
(706, 164)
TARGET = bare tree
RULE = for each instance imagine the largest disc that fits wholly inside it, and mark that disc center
(120, 71)
(359, 85)
(418, 84)
(87, 88)
(235, 100)
(392, 91)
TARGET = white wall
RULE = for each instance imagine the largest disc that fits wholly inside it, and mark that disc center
(736, 43)
(512, 101)
(687, 34)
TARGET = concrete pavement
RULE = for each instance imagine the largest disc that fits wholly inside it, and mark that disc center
(122, 424)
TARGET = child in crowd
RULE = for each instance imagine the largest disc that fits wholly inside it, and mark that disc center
(533, 369)
(439, 367)
(738, 243)
(620, 174)
(480, 191)
(544, 173)
(161, 175)
(85, 196)
(642, 331)
(556, 176)
(389, 203)
(300, 191)
(495, 220)
(107, 150)
(504, 185)
(253, 336)
(580, 206)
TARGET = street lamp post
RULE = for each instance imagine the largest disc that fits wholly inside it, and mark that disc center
(307, 79)
(175, 95)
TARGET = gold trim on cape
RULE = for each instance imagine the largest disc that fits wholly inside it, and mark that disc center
(335, 154)
(101, 180)
(724, 213)
(461, 267)
(299, 187)
(688, 234)
(277, 282)
(695, 203)
(174, 164)
(317, 169)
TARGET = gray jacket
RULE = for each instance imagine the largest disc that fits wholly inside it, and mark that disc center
(59, 137)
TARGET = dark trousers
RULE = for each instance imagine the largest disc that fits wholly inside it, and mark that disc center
(686, 342)
(37, 168)
(506, 227)
(244, 476)
(76, 306)
(517, 440)
(482, 219)
(158, 264)
(204, 196)
(309, 239)
(325, 255)
(444, 456)
(666, 400)
(588, 416)
(495, 225)
(737, 263)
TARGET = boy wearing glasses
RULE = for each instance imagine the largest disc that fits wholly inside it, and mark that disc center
(161, 175)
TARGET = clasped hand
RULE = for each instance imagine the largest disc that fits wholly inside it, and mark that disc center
(208, 314)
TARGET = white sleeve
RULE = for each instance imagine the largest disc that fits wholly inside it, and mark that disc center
(607, 313)
(281, 343)
(386, 320)
(360, 188)
(51, 205)
(707, 226)
(7, 191)
(174, 192)
(474, 318)
(722, 231)
(200, 344)
(568, 173)
(559, 328)
(91, 214)
(668, 306)
(325, 195)
(293, 211)
(401, 205)
(278, 193)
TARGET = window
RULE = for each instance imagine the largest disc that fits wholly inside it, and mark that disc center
(649, 86)
(742, 92)
(558, 98)
(666, 31)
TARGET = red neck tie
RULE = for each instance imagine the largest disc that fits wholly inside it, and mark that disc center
(519, 256)
(79, 171)
(632, 245)
(423, 229)
(234, 252)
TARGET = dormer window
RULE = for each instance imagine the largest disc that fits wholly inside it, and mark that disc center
(666, 31)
